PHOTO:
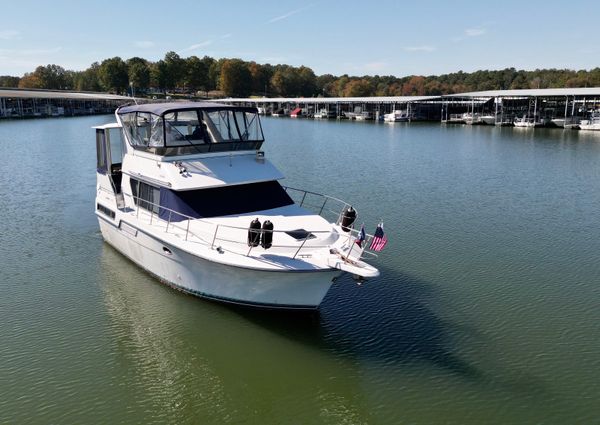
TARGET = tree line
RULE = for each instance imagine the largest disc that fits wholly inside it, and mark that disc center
(235, 77)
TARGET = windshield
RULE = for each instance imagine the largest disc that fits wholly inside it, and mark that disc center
(192, 131)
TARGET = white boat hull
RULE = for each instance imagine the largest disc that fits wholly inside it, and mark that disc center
(524, 125)
(302, 290)
(586, 125)
(488, 120)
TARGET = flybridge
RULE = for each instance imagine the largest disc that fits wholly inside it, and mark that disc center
(172, 129)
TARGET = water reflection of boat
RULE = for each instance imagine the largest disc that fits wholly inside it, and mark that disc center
(192, 199)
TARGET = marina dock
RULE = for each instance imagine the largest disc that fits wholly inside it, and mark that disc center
(15, 103)
(561, 107)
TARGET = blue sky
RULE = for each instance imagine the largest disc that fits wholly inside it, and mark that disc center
(354, 37)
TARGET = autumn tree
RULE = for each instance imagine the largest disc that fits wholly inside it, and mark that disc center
(53, 77)
(261, 77)
(415, 86)
(196, 74)
(174, 70)
(358, 88)
(113, 75)
(30, 80)
(235, 78)
(158, 75)
(138, 73)
(9, 81)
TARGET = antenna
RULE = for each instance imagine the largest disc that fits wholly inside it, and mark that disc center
(133, 93)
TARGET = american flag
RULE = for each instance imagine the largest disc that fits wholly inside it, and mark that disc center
(379, 239)
(361, 236)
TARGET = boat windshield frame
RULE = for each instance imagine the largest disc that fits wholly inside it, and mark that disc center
(191, 130)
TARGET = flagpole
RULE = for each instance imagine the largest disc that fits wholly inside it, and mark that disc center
(350, 250)
(362, 229)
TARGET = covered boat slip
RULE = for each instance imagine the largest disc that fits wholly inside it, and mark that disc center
(171, 129)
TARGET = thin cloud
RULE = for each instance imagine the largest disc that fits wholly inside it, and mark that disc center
(197, 46)
(287, 15)
(470, 32)
(9, 35)
(144, 44)
(419, 48)
(474, 32)
(225, 36)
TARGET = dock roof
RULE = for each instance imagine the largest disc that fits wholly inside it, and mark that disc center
(313, 100)
(575, 91)
(58, 94)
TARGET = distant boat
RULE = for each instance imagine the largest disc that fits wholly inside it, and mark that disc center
(324, 113)
(296, 113)
(396, 116)
(528, 121)
(263, 111)
(363, 116)
(591, 124)
(279, 113)
(488, 119)
(358, 114)
(524, 122)
(471, 118)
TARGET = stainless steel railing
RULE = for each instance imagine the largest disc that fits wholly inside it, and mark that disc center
(213, 237)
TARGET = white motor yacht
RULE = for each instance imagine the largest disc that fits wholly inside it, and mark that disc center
(591, 124)
(528, 121)
(184, 191)
(324, 113)
(488, 119)
(396, 116)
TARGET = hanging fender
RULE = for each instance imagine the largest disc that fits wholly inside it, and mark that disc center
(266, 240)
(348, 217)
(254, 233)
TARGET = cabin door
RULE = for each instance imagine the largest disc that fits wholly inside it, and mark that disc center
(109, 152)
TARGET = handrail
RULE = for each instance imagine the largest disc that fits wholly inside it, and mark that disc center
(327, 198)
(149, 207)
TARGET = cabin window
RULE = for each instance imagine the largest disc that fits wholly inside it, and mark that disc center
(145, 196)
(115, 138)
(101, 154)
(222, 201)
(106, 211)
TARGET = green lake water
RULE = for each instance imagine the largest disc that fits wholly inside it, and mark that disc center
(487, 309)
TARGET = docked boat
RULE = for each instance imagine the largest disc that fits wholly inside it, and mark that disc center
(279, 113)
(184, 191)
(488, 119)
(363, 116)
(263, 111)
(592, 123)
(528, 121)
(324, 114)
(396, 116)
